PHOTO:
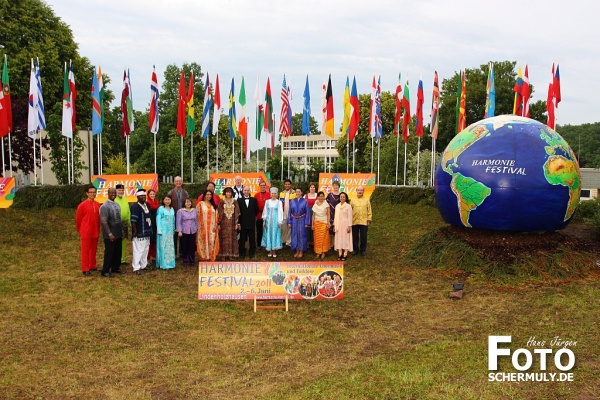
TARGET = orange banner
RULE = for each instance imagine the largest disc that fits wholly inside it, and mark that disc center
(7, 192)
(131, 182)
(348, 183)
(251, 179)
(231, 280)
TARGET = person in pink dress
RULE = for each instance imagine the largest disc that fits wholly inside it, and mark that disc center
(343, 227)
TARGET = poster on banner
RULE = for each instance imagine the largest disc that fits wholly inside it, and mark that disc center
(270, 280)
(251, 179)
(348, 183)
(7, 192)
(131, 182)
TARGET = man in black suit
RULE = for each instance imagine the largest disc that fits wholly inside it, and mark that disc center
(248, 210)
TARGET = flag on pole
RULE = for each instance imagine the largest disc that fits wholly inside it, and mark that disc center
(324, 106)
(6, 102)
(125, 104)
(347, 108)
(130, 115)
(518, 104)
(206, 106)
(458, 93)
(355, 112)
(181, 107)
(3, 121)
(73, 89)
(191, 117)
(102, 93)
(372, 108)
(375, 126)
(420, 99)
(550, 106)
(268, 115)
(243, 124)
(462, 116)
(490, 94)
(525, 92)
(217, 107)
(556, 87)
(398, 101)
(40, 97)
(232, 118)
(285, 123)
(67, 110)
(154, 121)
(306, 110)
(96, 105)
(435, 106)
(329, 128)
(406, 114)
(32, 118)
(260, 115)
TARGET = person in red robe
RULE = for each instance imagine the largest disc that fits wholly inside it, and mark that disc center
(87, 221)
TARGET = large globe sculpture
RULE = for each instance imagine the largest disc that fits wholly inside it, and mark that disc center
(508, 173)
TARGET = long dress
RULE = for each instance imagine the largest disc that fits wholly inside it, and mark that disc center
(153, 206)
(165, 247)
(333, 200)
(228, 214)
(273, 217)
(343, 221)
(207, 239)
(321, 233)
(299, 217)
(311, 203)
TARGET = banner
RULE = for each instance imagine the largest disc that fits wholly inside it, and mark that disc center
(131, 182)
(232, 280)
(251, 179)
(7, 192)
(348, 183)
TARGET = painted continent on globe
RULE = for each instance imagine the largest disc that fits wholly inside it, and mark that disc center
(508, 173)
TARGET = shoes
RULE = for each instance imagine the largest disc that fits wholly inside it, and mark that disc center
(138, 272)
(119, 271)
(362, 253)
(355, 253)
(339, 258)
(322, 256)
(87, 273)
(93, 269)
(269, 255)
(107, 275)
(274, 255)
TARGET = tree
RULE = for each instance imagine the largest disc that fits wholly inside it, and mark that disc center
(297, 125)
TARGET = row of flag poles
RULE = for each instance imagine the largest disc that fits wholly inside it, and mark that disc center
(265, 114)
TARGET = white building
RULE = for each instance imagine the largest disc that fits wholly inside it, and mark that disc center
(303, 149)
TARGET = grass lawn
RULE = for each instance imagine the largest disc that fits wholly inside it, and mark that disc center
(395, 335)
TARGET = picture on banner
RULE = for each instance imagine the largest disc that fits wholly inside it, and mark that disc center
(348, 183)
(251, 179)
(131, 182)
(7, 192)
(270, 280)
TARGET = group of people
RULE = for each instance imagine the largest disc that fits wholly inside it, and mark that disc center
(218, 227)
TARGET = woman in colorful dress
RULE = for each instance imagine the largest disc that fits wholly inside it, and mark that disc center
(311, 198)
(153, 206)
(228, 215)
(343, 227)
(272, 219)
(320, 226)
(298, 221)
(333, 199)
(187, 226)
(207, 240)
(165, 228)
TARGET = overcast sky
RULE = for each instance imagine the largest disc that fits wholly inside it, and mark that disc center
(341, 37)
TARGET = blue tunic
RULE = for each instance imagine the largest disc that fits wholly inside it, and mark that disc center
(165, 247)
(299, 217)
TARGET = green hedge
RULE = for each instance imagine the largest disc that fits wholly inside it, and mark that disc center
(69, 196)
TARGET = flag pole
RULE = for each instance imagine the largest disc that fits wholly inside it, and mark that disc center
(372, 150)
(127, 151)
(3, 169)
(73, 159)
(10, 154)
(347, 155)
(233, 154)
(405, 149)
(98, 151)
(353, 155)
(281, 142)
(181, 158)
(242, 149)
(266, 146)
(41, 160)
(378, 151)
(305, 158)
(68, 162)
(192, 156)
(154, 153)
(258, 141)
(217, 157)
(418, 156)
(34, 162)
(288, 172)
(397, 155)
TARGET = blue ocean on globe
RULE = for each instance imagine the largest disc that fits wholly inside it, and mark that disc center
(508, 173)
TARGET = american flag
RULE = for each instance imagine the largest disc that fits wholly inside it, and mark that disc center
(285, 124)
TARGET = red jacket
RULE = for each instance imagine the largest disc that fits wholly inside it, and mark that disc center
(87, 219)
(261, 198)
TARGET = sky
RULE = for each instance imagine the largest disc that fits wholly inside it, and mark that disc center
(269, 38)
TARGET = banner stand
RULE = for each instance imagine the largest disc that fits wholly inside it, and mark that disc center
(271, 307)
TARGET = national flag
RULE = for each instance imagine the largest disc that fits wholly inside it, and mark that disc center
(458, 93)
(125, 102)
(550, 106)
(6, 102)
(518, 104)
(32, 118)
(406, 112)
(490, 94)
(372, 108)
(191, 116)
(306, 110)
(355, 112)
(206, 106)
(435, 106)
(268, 122)
(324, 106)
(154, 120)
(73, 89)
(555, 86)
(232, 117)
(181, 106)
(3, 122)
(347, 108)
(525, 92)
(398, 101)
(420, 99)
(67, 110)
(329, 128)
(260, 112)
(216, 106)
(462, 116)
(40, 97)
(130, 103)
(102, 94)
(285, 123)
(243, 124)
(96, 105)
(377, 125)
(260, 123)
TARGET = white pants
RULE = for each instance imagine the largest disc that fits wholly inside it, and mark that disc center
(140, 253)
